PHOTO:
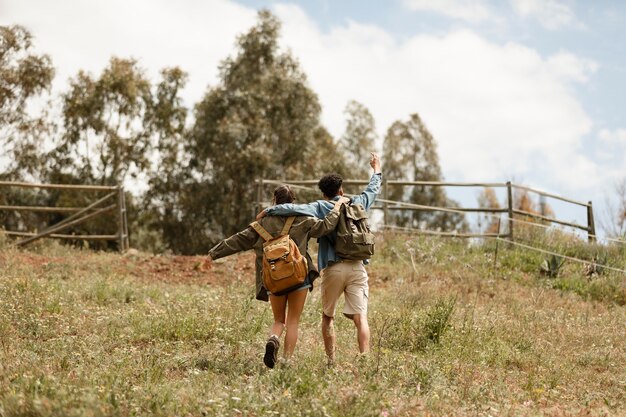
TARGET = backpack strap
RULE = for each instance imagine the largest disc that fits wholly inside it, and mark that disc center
(287, 225)
(261, 231)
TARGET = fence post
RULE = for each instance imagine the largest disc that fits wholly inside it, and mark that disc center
(126, 235)
(542, 204)
(591, 227)
(509, 192)
(259, 197)
(386, 205)
(121, 214)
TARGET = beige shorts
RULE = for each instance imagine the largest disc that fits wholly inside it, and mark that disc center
(348, 278)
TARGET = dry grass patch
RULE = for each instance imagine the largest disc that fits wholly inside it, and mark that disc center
(83, 333)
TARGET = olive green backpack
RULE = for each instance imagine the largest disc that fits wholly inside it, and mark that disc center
(355, 241)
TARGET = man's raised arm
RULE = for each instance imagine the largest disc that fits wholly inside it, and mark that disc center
(367, 197)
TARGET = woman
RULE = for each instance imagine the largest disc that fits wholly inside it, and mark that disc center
(286, 307)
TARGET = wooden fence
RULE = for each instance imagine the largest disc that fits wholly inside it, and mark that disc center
(115, 197)
(512, 213)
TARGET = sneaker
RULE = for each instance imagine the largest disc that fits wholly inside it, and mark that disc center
(271, 351)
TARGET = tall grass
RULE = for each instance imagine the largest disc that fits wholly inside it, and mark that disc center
(454, 332)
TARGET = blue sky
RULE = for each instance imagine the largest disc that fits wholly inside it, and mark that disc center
(530, 90)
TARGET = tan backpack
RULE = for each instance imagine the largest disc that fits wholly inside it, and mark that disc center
(284, 266)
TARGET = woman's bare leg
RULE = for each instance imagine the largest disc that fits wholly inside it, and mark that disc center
(295, 305)
(279, 310)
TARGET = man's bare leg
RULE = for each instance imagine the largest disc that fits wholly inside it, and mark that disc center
(328, 333)
(362, 332)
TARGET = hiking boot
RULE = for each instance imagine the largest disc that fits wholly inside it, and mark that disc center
(271, 351)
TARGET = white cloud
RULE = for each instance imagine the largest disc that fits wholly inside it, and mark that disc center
(194, 35)
(469, 10)
(569, 66)
(552, 14)
(497, 111)
(613, 137)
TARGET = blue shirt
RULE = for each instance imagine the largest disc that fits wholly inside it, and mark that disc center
(320, 208)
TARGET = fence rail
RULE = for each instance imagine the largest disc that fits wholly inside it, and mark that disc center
(59, 186)
(43, 209)
(60, 236)
(115, 198)
(512, 212)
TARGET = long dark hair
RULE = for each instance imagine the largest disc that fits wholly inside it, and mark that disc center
(284, 194)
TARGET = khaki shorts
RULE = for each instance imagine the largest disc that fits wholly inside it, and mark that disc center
(348, 278)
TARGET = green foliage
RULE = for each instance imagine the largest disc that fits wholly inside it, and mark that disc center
(611, 289)
(24, 76)
(598, 265)
(414, 329)
(551, 266)
(438, 320)
(20, 220)
(106, 130)
(160, 222)
(358, 140)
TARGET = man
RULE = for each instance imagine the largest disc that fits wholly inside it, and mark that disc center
(339, 276)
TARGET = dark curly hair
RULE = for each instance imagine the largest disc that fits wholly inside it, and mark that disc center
(330, 184)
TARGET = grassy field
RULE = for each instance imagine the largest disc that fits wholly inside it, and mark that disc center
(454, 332)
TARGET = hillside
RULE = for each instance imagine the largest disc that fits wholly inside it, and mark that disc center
(454, 332)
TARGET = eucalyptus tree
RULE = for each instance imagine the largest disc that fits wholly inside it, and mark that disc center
(262, 120)
(106, 134)
(410, 153)
(161, 224)
(359, 139)
(24, 77)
